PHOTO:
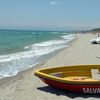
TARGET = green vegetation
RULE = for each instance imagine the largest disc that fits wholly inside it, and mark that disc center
(96, 30)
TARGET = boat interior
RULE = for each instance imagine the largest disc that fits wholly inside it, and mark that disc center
(75, 73)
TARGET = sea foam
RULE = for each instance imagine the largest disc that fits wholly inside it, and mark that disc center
(11, 64)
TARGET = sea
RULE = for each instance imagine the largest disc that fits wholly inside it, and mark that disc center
(22, 49)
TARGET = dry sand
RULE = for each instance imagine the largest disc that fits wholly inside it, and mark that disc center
(26, 86)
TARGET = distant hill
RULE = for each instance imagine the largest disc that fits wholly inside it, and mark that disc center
(96, 30)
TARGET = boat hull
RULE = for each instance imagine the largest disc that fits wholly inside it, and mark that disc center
(71, 78)
(79, 88)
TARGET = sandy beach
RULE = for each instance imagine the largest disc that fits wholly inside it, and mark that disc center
(26, 86)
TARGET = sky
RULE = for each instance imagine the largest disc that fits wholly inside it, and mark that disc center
(72, 14)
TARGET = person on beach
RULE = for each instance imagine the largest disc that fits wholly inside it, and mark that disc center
(94, 33)
(98, 34)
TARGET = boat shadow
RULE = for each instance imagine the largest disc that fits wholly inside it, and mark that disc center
(72, 95)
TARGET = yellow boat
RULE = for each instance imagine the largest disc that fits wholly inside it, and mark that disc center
(78, 78)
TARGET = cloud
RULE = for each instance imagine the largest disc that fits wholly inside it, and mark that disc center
(54, 2)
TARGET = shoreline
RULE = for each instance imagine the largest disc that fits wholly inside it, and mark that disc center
(12, 64)
(26, 86)
(41, 62)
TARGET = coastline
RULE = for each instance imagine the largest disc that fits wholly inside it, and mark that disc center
(11, 78)
(43, 45)
(26, 86)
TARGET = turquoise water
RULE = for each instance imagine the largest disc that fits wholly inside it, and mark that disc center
(15, 41)
(21, 49)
